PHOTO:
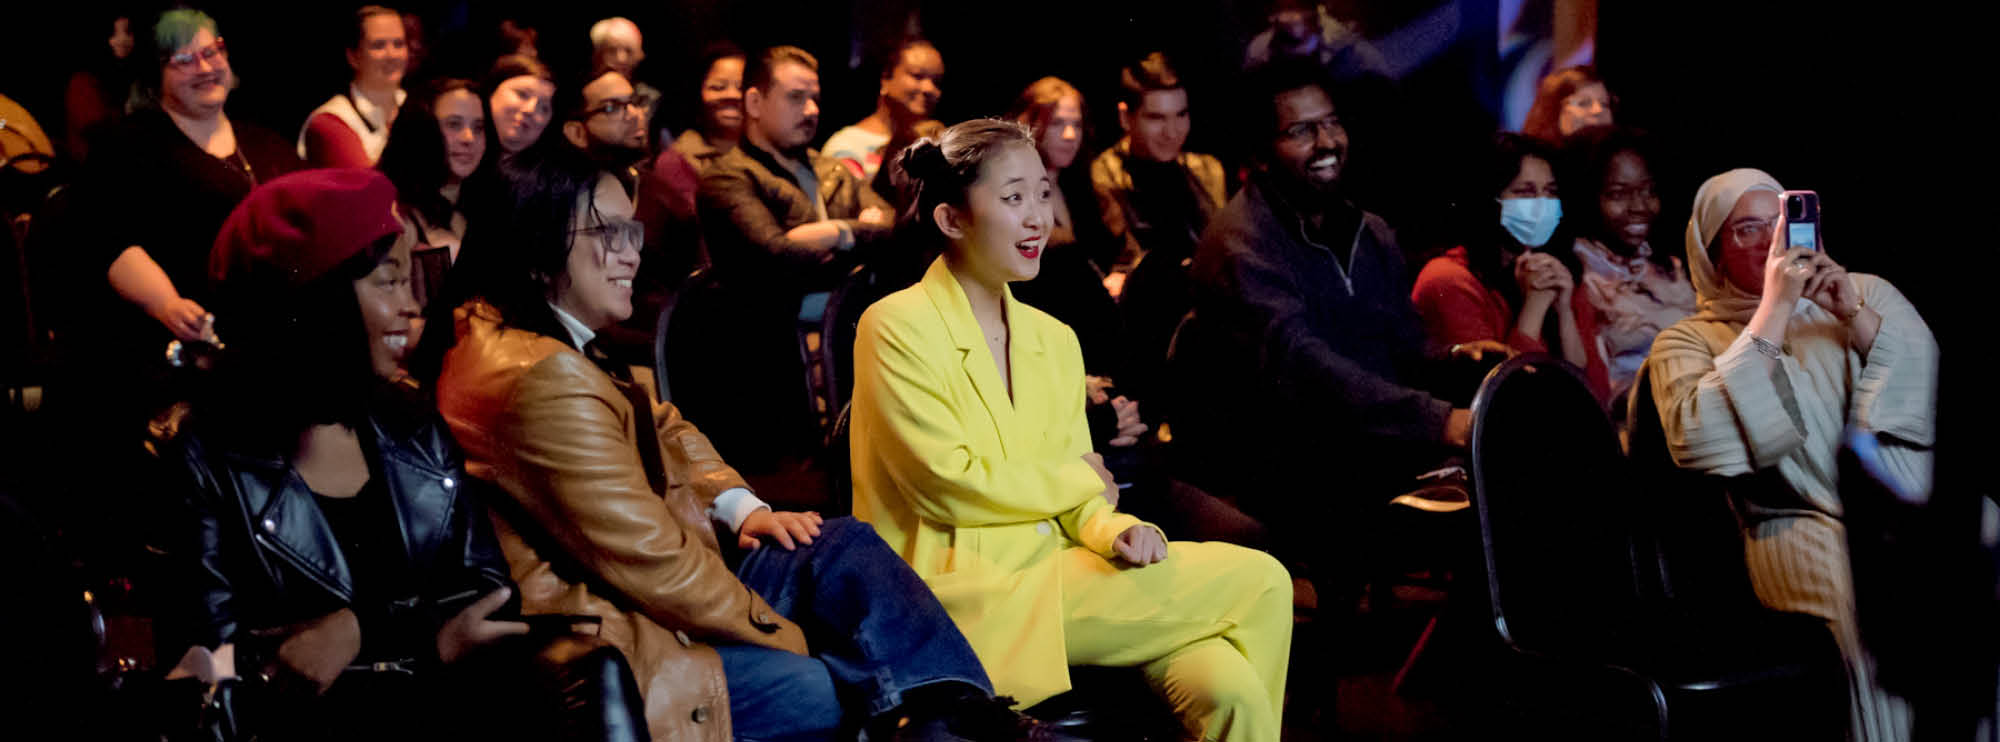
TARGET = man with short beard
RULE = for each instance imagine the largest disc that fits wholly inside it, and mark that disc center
(1298, 361)
(604, 116)
(783, 225)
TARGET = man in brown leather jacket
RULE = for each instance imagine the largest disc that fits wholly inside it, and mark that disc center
(606, 503)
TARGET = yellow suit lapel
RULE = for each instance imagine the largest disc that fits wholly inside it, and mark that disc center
(974, 358)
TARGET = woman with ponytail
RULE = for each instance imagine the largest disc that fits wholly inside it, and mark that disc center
(972, 459)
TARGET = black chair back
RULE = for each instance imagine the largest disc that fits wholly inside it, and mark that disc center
(695, 280)
(427, 272)
(1158, 294)
(840, 468)
(833, 385)
(1550, 491)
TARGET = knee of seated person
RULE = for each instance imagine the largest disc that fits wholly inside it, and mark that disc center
(846, 529)
(1218, 690)
(1265, 570)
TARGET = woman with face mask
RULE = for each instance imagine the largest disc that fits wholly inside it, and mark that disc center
(1502, 285)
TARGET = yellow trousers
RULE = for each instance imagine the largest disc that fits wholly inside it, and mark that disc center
(1211, 626)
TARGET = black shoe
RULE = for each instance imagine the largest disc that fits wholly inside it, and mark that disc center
(962, 714)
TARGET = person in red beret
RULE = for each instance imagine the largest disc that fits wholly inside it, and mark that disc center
(325, 548)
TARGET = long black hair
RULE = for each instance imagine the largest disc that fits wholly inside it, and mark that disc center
(293, 357)
(516, 251)
(1486, 242)
(414, 159)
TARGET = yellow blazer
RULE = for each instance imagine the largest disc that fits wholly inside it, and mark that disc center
(979, 493)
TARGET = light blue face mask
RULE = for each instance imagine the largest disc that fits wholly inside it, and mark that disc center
(1531, 220)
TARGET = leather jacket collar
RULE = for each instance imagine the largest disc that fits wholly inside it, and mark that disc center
(285, 518)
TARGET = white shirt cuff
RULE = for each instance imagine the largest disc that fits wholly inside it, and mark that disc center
(734, 505)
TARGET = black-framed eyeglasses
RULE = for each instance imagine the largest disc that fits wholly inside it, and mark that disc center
(184, 61)
(615, 106)
(615, 237)
(1307, 131)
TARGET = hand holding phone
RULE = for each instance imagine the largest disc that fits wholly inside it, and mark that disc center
(1802, 219)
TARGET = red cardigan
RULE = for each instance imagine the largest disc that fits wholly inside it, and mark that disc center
(329, 143)
(1457, 308)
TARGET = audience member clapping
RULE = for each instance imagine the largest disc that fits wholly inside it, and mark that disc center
(1504, 286)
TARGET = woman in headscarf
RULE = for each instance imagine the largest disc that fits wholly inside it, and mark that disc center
(1785, 350)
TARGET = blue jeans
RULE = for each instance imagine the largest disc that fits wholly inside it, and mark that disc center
(875, 630)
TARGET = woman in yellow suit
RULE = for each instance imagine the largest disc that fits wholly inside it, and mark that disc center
(972, 459)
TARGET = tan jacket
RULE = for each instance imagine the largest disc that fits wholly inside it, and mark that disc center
(586, 529)
(1113, 185)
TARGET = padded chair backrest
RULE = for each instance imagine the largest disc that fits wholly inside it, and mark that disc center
(1550, 490)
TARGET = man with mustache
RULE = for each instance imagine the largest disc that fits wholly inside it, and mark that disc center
(783, 225)
(909, 95)
(1298, 361)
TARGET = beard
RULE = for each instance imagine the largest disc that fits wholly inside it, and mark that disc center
(614, 157)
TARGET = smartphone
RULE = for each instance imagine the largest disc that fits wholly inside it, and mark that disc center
(1802, 219)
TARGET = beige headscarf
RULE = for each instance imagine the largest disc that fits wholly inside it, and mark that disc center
(1716, 298)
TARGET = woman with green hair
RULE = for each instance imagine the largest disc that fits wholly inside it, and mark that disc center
(166, 178)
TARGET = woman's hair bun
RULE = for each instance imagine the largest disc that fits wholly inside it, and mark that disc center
(924, 160)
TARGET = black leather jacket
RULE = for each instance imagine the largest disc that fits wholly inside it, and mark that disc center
(253, 553)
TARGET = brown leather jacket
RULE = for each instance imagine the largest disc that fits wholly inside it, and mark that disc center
(589, 526)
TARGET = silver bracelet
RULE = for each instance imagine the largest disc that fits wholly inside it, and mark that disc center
(1767, 347)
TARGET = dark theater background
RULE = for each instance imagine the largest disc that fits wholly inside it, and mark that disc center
(1874, 105)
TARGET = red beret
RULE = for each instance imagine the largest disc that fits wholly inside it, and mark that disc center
(304, 224)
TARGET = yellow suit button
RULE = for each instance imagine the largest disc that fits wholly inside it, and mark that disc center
(1043, 528)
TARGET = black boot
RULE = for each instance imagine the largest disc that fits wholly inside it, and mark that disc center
(958, 712)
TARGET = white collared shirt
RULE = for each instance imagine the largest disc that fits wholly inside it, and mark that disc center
(731, 507)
